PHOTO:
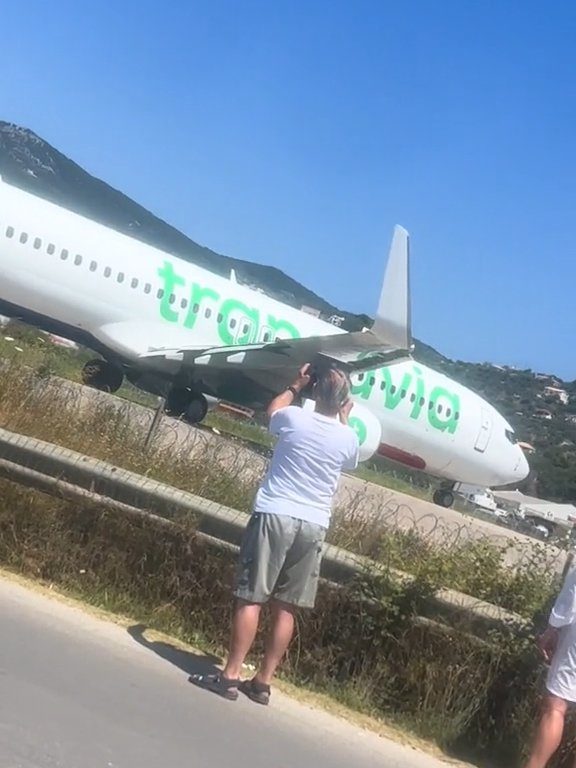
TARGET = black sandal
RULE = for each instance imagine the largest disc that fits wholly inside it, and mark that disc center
(217, 683)
(258, 692)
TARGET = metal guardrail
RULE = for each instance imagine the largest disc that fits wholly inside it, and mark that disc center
(65, 473)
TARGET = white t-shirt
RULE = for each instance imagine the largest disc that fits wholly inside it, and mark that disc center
(311, 452)
(561, 679)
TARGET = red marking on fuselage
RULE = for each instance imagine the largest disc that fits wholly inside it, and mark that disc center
(402, 457)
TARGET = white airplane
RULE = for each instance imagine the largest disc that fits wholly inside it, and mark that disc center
(180, 331)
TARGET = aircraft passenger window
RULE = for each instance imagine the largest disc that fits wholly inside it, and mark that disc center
(372, 381)
(196, 308)
(382, 385)
(9, 231)
(147, 288)
(403, 393)
(51, 248)
(184, 303)
(422, 402)
(246, 329)
(233, 323)
(37, 243)
(266, 337)
(134, 283)
(431, 405)
(440, 409)
(23, 237)
(412, 398)
(448, 412)
(107, 271)
(93, 266)
(120, 277)
(220, 317)
(63, 254)
(393, 389)
(207, 313)
(457, 415)
(172, 298)
(361, 377)
(77, 259)
(160, 293)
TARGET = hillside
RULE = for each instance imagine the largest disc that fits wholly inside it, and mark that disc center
(29, 162)
(32, 164)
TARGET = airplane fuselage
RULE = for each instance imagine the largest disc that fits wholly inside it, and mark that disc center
(125, 298)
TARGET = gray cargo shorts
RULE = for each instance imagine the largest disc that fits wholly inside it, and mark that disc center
(279, 558)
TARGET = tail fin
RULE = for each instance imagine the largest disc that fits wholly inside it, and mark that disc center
(393, 317)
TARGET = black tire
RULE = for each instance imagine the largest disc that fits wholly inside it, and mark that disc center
(443, 497)
(102, 375)
(197, 410)
(177, 402)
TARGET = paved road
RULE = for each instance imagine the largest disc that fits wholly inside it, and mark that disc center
(79, 692)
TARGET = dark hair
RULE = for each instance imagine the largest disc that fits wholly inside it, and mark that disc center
(332, 389)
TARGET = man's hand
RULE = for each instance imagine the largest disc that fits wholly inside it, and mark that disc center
(547, 643)
(303, 378)
(344, 412)
(287, 397)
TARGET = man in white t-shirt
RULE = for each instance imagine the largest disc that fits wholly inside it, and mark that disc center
(282, 547)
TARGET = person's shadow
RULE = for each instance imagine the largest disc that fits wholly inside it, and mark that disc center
(190, 663)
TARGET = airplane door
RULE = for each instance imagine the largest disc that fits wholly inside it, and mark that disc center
(485, 432)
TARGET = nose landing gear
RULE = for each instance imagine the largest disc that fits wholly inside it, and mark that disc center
(444, 497)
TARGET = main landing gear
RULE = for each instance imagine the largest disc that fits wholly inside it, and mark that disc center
(102, 375)
(181, 402)
(444, 497)
(184, 403)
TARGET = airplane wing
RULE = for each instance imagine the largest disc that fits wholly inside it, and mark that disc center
(252, 373)
(387, 341)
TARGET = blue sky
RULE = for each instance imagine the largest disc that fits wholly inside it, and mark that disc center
(298, 133)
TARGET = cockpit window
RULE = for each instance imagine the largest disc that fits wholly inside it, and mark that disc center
(511, 436)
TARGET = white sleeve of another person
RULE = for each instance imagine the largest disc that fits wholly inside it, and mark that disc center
(564, 610)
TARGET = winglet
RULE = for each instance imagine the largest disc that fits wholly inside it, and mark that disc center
(393, 318)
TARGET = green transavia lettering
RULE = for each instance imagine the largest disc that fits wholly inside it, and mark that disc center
(238, 323)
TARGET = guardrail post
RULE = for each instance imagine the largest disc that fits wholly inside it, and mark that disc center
(155, 422)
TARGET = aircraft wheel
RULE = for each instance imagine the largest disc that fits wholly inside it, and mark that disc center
(177, 401)
(197, 410)
(183, 403)
(443, 497)
(102, 375)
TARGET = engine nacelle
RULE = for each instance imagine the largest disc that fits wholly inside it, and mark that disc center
(365, 424)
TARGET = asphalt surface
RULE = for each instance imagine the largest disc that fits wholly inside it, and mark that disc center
(81, 692)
